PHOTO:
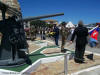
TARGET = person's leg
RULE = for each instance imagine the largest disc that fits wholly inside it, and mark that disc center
(81, 53)
(76, 58)
(63, 43)
(43, 36)
(56, 41)
(78, 53)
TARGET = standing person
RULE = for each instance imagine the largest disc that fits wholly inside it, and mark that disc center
(42, 32)
(64, 34)
(33, 33)
(93, 40)
(81, 34)
(56, 34)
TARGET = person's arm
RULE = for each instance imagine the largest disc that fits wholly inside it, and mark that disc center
(61, 30)
(87, 33)
(73, 36)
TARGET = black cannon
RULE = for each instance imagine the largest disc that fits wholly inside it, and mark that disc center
(14, 46)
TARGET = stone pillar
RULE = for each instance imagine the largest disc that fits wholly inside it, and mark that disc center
(28, 23)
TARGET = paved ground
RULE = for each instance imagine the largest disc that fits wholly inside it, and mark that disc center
(96, 71)
(88, 48)
(92, 72)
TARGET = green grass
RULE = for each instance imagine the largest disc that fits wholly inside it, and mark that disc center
(33, 57)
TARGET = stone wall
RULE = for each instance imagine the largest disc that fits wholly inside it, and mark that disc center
(11, 3)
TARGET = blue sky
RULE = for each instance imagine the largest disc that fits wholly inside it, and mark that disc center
(74, 10)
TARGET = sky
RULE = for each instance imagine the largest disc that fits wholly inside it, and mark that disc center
(74, 10)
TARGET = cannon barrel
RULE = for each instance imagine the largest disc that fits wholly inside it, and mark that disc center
(15, 12)
(43, 16)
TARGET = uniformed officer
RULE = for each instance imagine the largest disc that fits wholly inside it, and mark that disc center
(64, 35)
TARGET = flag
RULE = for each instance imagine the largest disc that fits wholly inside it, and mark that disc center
(94, 36)
(94, 33)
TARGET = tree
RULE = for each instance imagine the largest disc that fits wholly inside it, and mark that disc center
(38, 23)
(49, 25)
(63, 23)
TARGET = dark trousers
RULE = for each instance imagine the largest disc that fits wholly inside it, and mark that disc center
(79, 52)
(43, 37)
(56, 40)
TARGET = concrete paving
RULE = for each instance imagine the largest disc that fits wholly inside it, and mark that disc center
(92, 72)
(91, 50)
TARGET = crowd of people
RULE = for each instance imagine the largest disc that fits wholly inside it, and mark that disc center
(80, 32)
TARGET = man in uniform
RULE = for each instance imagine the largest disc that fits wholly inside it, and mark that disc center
(64, 34)
(81, 34)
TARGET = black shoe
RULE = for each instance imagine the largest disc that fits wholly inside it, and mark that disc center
(63, 51)
(80, 62)
(57, 45)
(90, 56)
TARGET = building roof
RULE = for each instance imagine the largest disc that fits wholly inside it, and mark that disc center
(51, 20)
